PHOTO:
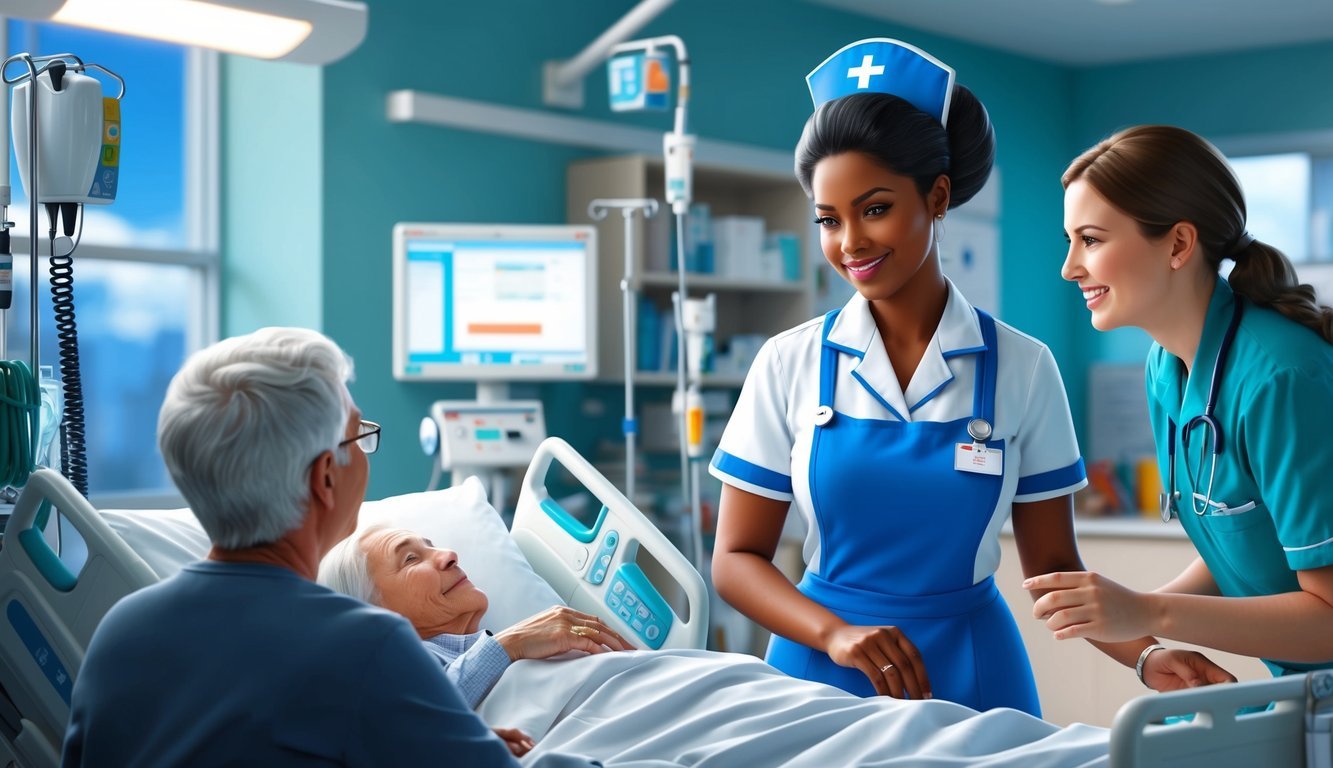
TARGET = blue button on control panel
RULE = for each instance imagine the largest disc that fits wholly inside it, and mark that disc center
(637, 602)
(602, 562)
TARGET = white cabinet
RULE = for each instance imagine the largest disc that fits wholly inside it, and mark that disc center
(745, 304)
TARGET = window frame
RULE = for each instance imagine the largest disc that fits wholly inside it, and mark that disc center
(202, 213)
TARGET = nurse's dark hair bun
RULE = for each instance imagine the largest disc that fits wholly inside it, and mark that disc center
(905, 140)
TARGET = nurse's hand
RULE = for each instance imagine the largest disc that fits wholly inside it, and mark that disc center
(885, 656)
(1089, 605)
(1172, 669)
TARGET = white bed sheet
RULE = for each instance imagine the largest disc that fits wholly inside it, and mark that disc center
(700, 708)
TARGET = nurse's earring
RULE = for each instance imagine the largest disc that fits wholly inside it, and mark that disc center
(939, 228)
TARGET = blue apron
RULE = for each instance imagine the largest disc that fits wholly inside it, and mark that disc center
(899, 530)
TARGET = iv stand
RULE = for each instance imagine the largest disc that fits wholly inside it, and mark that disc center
(597, 210)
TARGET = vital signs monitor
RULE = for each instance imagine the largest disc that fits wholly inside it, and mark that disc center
(494, 302)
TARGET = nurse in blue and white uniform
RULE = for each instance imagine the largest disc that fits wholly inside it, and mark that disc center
(906, 427)
(1239, 383)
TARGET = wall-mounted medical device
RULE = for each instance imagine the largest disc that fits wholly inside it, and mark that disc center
(474, 434)
(78, 135)
(494, 302)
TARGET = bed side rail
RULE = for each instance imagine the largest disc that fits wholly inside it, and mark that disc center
(1293, 730)
(595, 568)
(47, 612)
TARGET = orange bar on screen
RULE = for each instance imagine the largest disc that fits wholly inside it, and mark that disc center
(514, 329)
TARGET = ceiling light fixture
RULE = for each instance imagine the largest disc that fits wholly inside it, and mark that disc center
(305, 31)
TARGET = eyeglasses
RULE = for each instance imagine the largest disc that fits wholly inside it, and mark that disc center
(367, 437)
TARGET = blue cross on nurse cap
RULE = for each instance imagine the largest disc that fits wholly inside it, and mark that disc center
(883, 65)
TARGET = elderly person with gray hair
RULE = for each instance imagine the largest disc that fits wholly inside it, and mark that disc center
(399, 570)
(241, 658)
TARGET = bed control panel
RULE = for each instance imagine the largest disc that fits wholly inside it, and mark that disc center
(602, 563)
(593, 547)
(638, 603)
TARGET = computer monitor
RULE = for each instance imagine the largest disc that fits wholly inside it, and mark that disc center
(494, 302)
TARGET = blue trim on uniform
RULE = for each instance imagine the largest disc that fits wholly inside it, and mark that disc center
(957, 352)
(1050, 481)
(751, 473)
(829, 317)
(874, 393)
(983, 402)
(931, 394)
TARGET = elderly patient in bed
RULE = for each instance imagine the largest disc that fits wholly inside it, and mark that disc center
(399, 570)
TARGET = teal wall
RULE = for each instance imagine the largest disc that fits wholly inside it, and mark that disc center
(271, 161)
(749, 60)
(1219, 96)
(308, 207)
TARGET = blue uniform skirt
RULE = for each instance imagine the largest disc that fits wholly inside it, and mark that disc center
(968, 639)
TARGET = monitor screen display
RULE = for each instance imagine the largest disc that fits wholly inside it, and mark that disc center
(494, 302)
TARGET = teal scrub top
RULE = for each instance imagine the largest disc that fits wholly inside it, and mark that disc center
(1273, 474)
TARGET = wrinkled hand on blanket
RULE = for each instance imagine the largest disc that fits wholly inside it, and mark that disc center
(557, 630)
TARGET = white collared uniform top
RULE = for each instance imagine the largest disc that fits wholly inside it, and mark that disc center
(765, 449)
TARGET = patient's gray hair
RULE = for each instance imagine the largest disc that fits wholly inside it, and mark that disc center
(242, 423)
(346, 568)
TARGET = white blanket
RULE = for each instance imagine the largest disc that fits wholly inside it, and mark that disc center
(698, 708)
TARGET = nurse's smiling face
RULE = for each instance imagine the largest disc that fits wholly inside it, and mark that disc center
(875, 227)
(1122, 273)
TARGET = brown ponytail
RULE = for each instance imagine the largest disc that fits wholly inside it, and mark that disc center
(1265, 276)
(1160, 175)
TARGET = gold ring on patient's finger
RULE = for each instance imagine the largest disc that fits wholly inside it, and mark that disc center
(583, 631)
(886, 668)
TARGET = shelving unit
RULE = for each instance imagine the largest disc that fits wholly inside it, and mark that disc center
(744, 306)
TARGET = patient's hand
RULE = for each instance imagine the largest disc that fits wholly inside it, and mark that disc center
(885, 656)
(518, 742)
(557, 630)
(1173, 668)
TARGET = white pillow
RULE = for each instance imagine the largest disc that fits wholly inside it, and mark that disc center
(458, 518)
(166, 539)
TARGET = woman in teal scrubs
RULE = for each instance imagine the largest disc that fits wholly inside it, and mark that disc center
(1151, 213)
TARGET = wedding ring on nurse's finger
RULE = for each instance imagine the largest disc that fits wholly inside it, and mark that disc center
(886, 668)
(583, 631)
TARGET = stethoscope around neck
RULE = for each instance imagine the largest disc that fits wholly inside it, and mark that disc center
(1170, 497)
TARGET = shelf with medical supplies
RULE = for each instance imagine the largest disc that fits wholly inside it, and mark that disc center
(748, 241)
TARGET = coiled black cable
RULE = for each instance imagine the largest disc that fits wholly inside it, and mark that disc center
(73, 455)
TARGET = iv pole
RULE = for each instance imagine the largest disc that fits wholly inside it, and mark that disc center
(597, 210)
(678, 154)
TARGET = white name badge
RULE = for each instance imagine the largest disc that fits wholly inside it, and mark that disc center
(974, 457)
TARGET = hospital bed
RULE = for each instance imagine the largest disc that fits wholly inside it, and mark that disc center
(593, 560)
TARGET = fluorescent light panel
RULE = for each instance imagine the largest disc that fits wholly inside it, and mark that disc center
(189, 22)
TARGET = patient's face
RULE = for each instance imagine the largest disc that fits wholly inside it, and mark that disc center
(423, 584)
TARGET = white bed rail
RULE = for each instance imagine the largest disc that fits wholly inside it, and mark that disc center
(594, 568)
(48, 613)
(1294, 732)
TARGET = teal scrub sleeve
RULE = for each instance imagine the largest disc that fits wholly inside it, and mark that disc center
(1286, 441)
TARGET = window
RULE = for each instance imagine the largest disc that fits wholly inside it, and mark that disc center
(146, 268)
(1277, 199)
